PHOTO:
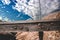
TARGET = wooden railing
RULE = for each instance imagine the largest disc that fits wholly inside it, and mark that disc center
(29, 26)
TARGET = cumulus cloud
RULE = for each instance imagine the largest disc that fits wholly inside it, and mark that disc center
(6, 2)
(31, 9)
(0, 18)
(48, 6)
(5, 19)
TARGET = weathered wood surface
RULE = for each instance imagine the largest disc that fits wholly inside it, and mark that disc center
(33, 26)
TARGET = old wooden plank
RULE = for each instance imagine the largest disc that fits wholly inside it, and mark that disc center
(38, 26)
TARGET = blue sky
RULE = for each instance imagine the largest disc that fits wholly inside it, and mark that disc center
(11, 14)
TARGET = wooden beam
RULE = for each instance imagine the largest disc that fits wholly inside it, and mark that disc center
(29, 26)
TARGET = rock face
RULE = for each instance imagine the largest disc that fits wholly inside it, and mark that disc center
(27, 36)
(51, 35)
(52, 16)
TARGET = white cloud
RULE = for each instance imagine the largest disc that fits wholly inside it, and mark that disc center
(0, 18)
(6, 19)
(3, 7)
(28, 9)
(6, 2)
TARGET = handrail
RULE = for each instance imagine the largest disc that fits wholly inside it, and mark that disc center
(30, 21)
(29, 26)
